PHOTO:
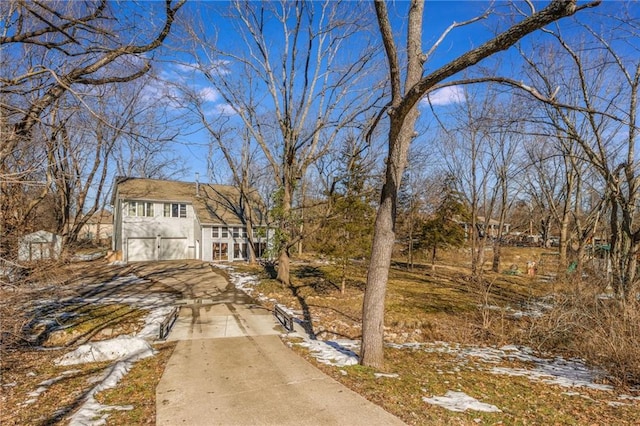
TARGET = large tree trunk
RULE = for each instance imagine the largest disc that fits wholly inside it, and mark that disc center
(401, 131)
(284, 243)
(403, 113)
(371, 352)
(284, 267)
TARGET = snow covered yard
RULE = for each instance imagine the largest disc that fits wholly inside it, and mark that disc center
(84, 339)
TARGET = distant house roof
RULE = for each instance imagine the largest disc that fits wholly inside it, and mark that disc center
(102, 217)
(213, 204)
(480, 220)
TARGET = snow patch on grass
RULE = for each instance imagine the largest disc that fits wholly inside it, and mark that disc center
(559, 371)
(330, 352)
(91, 412)
(45, 385)
(460, 402)
(125, 348)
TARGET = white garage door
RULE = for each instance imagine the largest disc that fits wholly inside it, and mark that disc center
(141, 249)
(173, 249)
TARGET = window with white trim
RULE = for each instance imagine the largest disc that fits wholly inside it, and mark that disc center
(175, 210)
(215, 232)
(140, 209)
(225, 232)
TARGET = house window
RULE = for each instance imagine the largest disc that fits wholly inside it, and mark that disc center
(220, 251)
(175, 210)
(260, 249)
(240, 251)
(215, 232)
(140, 208)
(225, 232)
(237, 232)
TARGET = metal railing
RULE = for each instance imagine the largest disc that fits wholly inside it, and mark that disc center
(284, 317)
(165, 326)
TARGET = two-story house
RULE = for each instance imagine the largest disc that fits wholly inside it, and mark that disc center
(169, 220)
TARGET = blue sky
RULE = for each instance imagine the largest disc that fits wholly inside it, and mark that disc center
(194, 145)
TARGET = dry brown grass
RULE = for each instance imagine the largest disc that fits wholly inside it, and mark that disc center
(30, 346)
(421, 306)
(522, 401)
(447, 305)
(138, 390)
(603, 330)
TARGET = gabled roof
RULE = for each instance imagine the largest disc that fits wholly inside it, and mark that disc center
(213, 204)
(102, 217)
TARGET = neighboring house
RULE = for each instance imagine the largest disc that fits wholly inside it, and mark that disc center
(491, 230)
(99, 227)
(166, 220)
(40, 245)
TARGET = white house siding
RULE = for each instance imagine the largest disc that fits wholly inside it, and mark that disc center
(206, 244)
(197, 232)
(173, 237)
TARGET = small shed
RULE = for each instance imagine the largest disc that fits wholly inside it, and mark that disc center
(40, 245)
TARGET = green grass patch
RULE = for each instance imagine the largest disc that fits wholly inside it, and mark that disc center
(138, 389)
(94, 322)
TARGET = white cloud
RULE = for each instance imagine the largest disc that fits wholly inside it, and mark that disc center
(186, 67)
(445, 96)
(158, 91)
(225, 109)
(209, 94)
(219, 68)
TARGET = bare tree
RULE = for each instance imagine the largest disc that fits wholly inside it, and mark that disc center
(146, 128)
(403, 114)
(590, 93)
(479, 153)
(69, 47)
(418, 196)
(543, 184)
(239, 152)
(59, 52)
(294, 88)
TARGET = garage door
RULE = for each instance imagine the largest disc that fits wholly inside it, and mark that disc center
(173, 249)
(141, 249)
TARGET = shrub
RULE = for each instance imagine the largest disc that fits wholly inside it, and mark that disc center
(600, 329)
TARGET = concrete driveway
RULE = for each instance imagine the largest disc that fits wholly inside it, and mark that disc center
(230, 367)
